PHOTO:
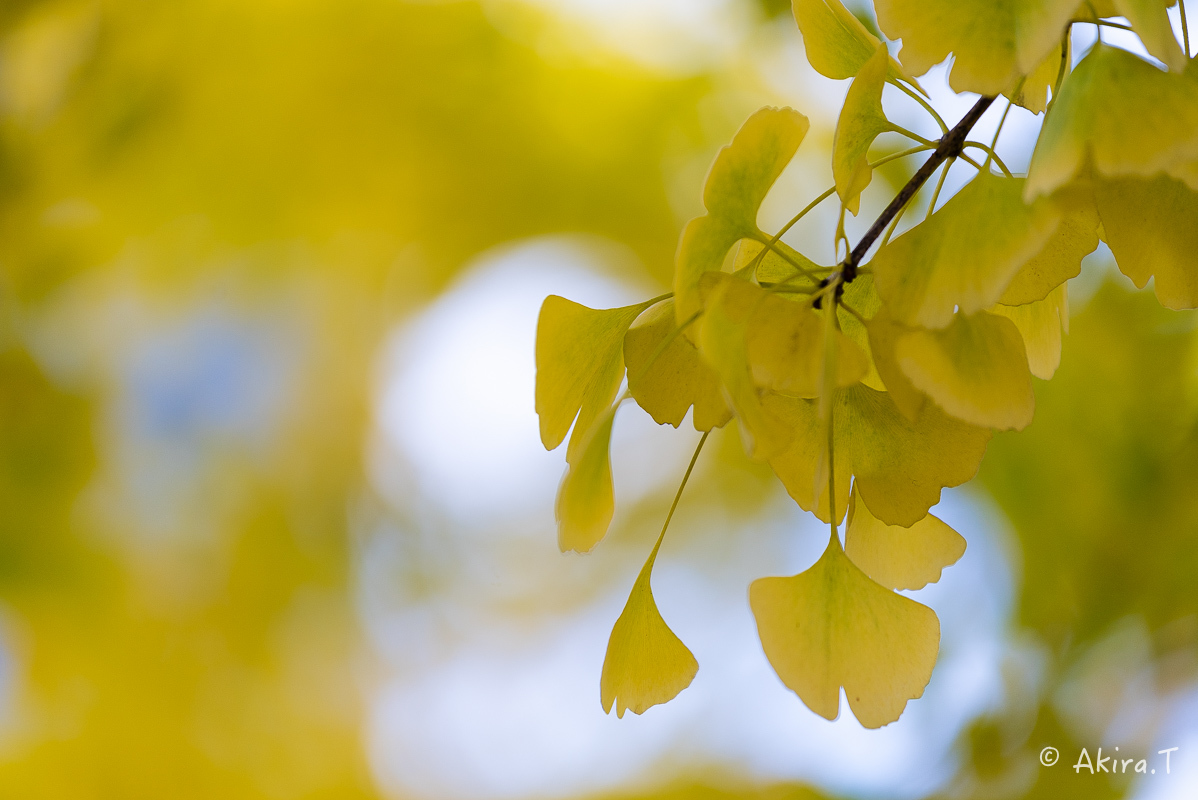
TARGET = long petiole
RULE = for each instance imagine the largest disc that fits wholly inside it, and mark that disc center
(899, 129)
(939, 185)
(793, 221)
(919, 148)
(773, 245)
(1102, 23)
(1066, 42)
(926, 105)
(990, 156)
(678, 496)
(1185, 29)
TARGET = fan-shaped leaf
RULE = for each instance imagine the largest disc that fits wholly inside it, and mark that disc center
(1151, 21)
(585, 502)
(837, 44)
(1059, 260)
(1040, 324)
(898, 557)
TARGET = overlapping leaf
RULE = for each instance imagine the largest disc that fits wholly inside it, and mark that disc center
(861, 121)
(1151, 21)
(897, 557)
(964, 255)
(1040, 324)
(832, 626)
(585, 499)
(740, 177)
(837, 44)
(1059, 260)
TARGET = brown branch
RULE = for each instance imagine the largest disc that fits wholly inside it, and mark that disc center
(949, 146)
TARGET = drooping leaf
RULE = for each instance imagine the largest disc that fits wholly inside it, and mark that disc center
(965, 254)
(1120, 114)
(1033, 93)
(899, 466)
(862, 297)
(897, 557)
(1150, 20)
(975, 369)
(993, 42)
(832, 626)
(1152, 229)
(580, 363)
(739, 180)
(837, 44)
(861, 121)
(646, 663)
(1040, 324)
(585, 501)
(677, 379)
(1059, 260)
(883, 333)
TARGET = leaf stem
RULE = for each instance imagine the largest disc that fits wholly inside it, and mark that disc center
(939, 185)
(1185, 29)
(793, 221)
(899, 129)
(991, 155)
(949, 145)
(678, 496)
(1066, 42)
(927, 106)
(919, 148)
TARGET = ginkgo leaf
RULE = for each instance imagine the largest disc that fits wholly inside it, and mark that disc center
(899, 466)
(1059, 260)
(646, 663)
(1033, 92)
(1040, 324)
(1152, 229)
(676, 379)
(723, 343)
(965, 254)
(1151, 22)
(1122, 115)
(993, 42)
(861, 121)
(975, 369)
(862, 297)
(837, 44)
(883, 333)
(832, 626)
(739, 180)
(776, 265)
(580, 363)
(585, 501)
(897, 557)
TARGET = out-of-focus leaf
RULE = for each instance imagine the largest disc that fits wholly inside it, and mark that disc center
(1150, 20)
(1059, 260)
(585, 501)
(897, 557)
(1040, 323)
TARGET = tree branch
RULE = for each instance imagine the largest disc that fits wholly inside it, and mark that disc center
(949, 146)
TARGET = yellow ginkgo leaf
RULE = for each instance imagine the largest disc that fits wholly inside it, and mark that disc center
(676, 379)
(646, 663)
(993, 42)
(1059, 260)
(964, 255)
(1033, 91)
(585, 501)
(898, 557)
(975, 369)
(776, 265)
(1040, 324)
(862, 297)
(723, 334)
(580, 363)
(832, 626)
(739, 180)
(837, 44)
(861, 121)
(1122, 114)
(1152, 229)
(883, 333)
(899, 466)
(1150, 20)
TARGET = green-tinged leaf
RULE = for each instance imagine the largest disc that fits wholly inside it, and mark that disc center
(883, 333)
(724, 330)
(964, 255)
(585, 502)
(898, 557)
(862, 297)
(1059, 260)
(1150, 20)
(1040, 324)
(1123, 115)
(677, 379)
(1152, 229)
(646, 663)
(776, 266)
(739, 180)
(832, 626)
(975, 369)
(861, 121)
(899, 466)
(580, 364)
(837, 44)
(993, 42)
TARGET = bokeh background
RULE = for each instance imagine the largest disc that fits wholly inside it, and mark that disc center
(275, 521)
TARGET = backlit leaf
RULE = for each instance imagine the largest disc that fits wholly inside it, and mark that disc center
(861, 120)
(837, 44)
(1151, 21)
(965, 254)
(1120, 112)
(1040, 324)
(677, 379)
(773, 267)
(883, 333)
(994, 42)
(580, 364)
(585, 502)
(862, 297)
(739, 180)
(898, 557)
(1059, 260)
(831, 626)
(1033, 94)
(976, 369)
(1152, 229)
(899, 466)
(646, 663)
